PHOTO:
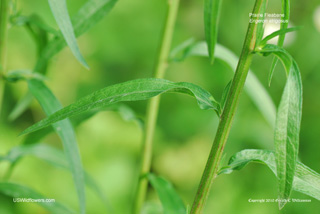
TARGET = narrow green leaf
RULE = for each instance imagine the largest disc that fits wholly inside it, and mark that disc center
(19, 191)
(20, 107)
(170, 200)
(88, 15)
(65, 131)
(287, 123)
(260, 28)
(17, 75)
(139, 89)
(277, 33)
(61, 15)
(306, 180)
(253, 87)
(285, 10)
(125, 112)
(211, 20)
(56, 158)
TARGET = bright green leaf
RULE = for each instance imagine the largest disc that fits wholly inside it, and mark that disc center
(277, 33)
(139, 89)
(170, 200)
(211, 20)
(88, 15)
(61, 15)
(306, 180)
(288, 123)
(253, 87)
(65, 131)
(19, 191)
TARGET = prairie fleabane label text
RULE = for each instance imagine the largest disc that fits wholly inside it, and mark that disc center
(275, 18)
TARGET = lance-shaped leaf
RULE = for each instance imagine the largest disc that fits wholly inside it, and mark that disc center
(170, 200)
(61, 15)
(211, 20)
(253, 87)
(288, 122)
(306, 180)
(285, 10)
(264, 41)
(64, 129)
(139, 89)
(18, 191)
(88, 15)
(56, 158)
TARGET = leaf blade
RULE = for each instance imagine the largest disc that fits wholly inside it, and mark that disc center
(211, 20)
(170, 200)
(66, 133)
(139, 89)
(61, 15)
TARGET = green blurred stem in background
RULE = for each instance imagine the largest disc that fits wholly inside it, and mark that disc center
(153, 105)
(4, 13)
(228, 113)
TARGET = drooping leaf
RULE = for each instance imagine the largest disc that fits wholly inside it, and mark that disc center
(56, 158)
(19, 191)
(139, 89)
(211, 20)
(170, 200)
(17, 75)
(306, 180)
(253, 87)
(61, 15)
(285, 10)
(66, 133)
(277, 33)
(88, 16)
(288, 123)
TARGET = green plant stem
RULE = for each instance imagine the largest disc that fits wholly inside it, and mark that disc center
(227, 116)
(153, 105)
(4, 13)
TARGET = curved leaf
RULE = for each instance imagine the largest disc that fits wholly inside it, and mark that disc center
(253, 87)
(288, 123)
(170, 200)
(277, 33)
(211, 20)
(54, 157)
(285, 10)
(66, 133)
(60, 13)
(19, 191)
(139, 89)
(306, 180)
(88, 15)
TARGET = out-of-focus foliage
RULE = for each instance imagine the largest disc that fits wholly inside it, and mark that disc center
(123, 47)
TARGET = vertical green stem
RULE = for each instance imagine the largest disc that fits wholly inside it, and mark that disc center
(153, 105)
(4, 13)
(228, 113)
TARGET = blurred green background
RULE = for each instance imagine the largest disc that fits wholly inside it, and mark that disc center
(123, 47)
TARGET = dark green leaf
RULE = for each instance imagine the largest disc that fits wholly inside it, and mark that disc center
(139, 89)
(88, 15)
(288, 123)
(211, 20)
(170, 200)
(253, 87)
(61, 15)
(306, 180)
(19, 191)
(65, 131)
